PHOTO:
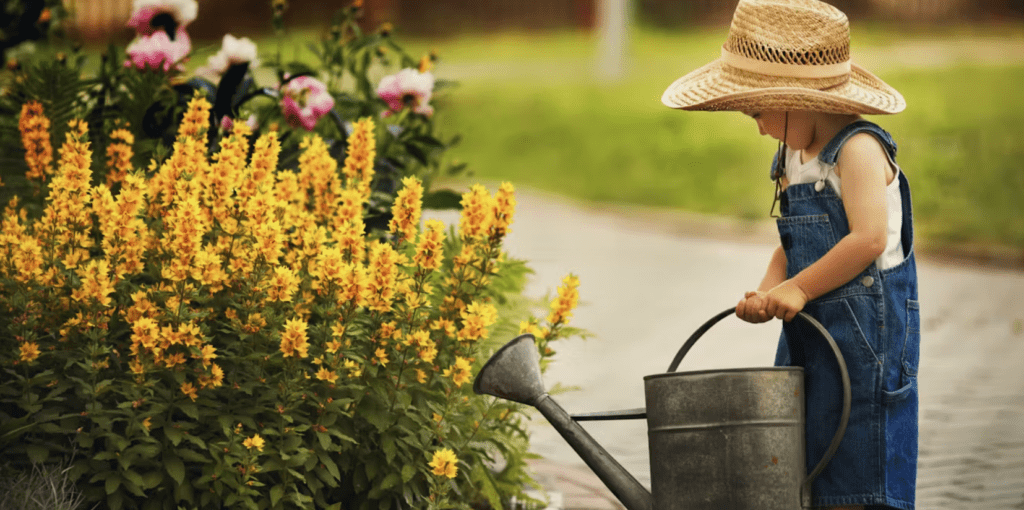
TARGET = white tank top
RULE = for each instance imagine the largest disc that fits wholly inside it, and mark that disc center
(814, 171)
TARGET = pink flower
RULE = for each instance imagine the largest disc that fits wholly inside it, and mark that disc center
(158, 51)
(305, 101)
(146, 15)
(408, 87)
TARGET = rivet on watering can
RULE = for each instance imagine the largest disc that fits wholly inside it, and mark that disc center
(867, 281)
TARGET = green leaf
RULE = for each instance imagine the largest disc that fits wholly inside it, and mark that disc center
(37, 454)
(175, 467)
(442, 199)
(483, 480)
(173, 434)
(408, 471)
(152, 479)
(276, 492)
(113, 482)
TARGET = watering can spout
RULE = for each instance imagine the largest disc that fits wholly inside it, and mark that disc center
(513, 373)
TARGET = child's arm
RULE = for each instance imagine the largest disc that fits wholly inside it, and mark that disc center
(864, 175)
(752, 307)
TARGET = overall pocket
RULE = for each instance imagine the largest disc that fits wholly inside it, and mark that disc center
(910, 354)
(805, 239)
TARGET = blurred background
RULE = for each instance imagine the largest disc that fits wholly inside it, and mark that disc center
(564, 96)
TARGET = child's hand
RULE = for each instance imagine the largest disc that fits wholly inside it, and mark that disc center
(785, 300)
(752, 308)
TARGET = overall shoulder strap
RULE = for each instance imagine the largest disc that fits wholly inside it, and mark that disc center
(830, 153)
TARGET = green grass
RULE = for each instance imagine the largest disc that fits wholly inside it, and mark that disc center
(541, 120)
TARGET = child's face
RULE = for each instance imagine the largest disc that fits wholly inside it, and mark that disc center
(776, 125)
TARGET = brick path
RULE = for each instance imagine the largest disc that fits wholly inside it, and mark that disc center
(646, 286)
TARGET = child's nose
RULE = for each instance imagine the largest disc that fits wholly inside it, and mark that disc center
(760, 127)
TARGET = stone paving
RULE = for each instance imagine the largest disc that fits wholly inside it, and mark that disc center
(646, 284)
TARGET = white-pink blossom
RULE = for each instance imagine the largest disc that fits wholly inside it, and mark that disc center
(407, 88)
(182, 12)
(158, 51)
(305, 99)
(232, 51)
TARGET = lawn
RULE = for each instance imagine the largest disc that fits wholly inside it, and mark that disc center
(531, 112)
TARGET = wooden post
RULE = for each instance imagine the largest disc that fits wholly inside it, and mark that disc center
(612, 27)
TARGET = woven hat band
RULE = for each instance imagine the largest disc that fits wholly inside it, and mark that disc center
(784, 70)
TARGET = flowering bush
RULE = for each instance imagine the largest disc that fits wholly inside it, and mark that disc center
(144, 90)
(220, 333)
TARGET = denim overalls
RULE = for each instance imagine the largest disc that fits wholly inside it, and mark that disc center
(874, 319)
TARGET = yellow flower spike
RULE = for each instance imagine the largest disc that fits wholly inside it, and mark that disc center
(407, 210)
(362, 151)
(35, 137)
(430, 249)
(444, 463)
(475, 320)
(254, 442)
(563, 305)
(197, 118)
(460, 372)
(477, 213)
(383, 275)
(283, 283)
(119, 155)
(504, 209)
(294, 341)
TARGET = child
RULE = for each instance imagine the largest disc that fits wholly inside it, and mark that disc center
(846, 252)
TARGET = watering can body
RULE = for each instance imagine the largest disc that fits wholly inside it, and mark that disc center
(726, 439)
(719, 439)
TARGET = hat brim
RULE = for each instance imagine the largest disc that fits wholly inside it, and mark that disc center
(718, 86)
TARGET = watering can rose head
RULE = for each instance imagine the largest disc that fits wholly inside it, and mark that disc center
(407, 88)
(305, 99)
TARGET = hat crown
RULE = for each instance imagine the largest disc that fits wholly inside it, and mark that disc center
(799, 32)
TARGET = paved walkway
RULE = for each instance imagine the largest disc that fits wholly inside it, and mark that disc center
(646, 284)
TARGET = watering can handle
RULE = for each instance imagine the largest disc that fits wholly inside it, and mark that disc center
(805, 488)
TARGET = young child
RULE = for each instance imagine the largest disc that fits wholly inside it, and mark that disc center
(846, 253)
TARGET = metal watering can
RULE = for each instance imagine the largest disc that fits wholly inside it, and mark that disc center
(719, 439)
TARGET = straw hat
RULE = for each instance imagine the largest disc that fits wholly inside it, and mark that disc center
(785, 55)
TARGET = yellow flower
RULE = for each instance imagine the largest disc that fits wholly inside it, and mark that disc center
(189, 391)
(254, 442)
(326, 375)
(475, 320)
(29, 351)
(382, 356)
(354, 370)
(197, 118)
(444, 463)
(119, 155)
(362, 151)
(282, 285)
(383, 271)
(477, 213)
(147, 423)
(568, 296)
(206, 354)
(421, 376)
(35, 137)
(430, 249)
(504, 208)
(294, 341)
(333, 346)
(407, 209)
(461, 372)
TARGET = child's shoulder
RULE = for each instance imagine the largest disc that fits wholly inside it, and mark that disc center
(862, 150)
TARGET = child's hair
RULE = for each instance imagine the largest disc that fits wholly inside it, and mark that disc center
(785, 55)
